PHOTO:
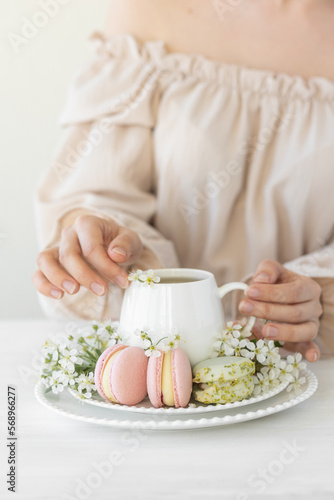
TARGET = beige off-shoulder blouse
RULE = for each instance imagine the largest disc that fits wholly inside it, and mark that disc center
(215, 166)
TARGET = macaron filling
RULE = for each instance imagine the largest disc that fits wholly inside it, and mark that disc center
(167, 390)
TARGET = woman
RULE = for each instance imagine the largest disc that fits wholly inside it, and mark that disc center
(200, 135)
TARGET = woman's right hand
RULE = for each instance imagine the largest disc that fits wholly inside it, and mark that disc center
(88, 255)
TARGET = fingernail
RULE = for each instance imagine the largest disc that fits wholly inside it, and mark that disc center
(263, 277)
(120, 251)
(120, 281)
(97, 288)
(315, 356)
(56, 294)
(271, 332)
(253, 292)
(69, 286)
(246, 307)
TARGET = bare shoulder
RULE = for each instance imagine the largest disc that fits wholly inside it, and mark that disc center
(138, 17)
(177, 22)
(294, 37)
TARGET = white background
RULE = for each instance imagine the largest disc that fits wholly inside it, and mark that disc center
(33, 86)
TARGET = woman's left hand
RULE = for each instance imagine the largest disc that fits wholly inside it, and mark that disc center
(291, 304)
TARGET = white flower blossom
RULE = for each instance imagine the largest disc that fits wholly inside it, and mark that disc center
(236, 326)
(217, 345)
(141, 334)
(261, 383)
(273, 352)
(69, 355)
(247, 332)
(55, 382)
(175, 335)
(174, 339)
(149, 278)
(153, 351)
(224, 336)
(297, 364)
(296, 384)
(271, 369)
(158, 340)
(93, 340)
(82, 395)
(172, 342)
(285, 372)
(259, 349)
(247, 349)
(103, 334)
(86, 382)
(143, 337)
(52, 346)
(231, 346)
(63, 378)
(135, 275)
(240, 348)
(69, 359)
(67, 365)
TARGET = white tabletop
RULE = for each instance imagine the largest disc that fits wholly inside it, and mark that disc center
(287, 455)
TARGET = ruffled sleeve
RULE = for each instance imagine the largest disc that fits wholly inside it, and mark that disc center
(120, 82)
(105, 164)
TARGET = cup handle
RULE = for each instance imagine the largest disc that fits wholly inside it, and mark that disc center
(229, 287)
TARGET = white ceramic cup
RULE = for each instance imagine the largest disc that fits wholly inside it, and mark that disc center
(194, 308)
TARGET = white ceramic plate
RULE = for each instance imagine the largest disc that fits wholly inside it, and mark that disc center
(67, 406)
(146, 407)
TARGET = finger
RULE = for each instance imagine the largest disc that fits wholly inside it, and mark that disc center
(44, 286)
(48, 262)
(91, 242)
(309, 350)
(303, 332)
(125, 247)
(70, 257)
(285, 313)
(288, 293)
(268, 271)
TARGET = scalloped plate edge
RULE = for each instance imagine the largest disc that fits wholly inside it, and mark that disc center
(189, 410)
(144, 424)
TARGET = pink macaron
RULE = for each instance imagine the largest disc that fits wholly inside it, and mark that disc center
(121, 374)
(180, 374)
